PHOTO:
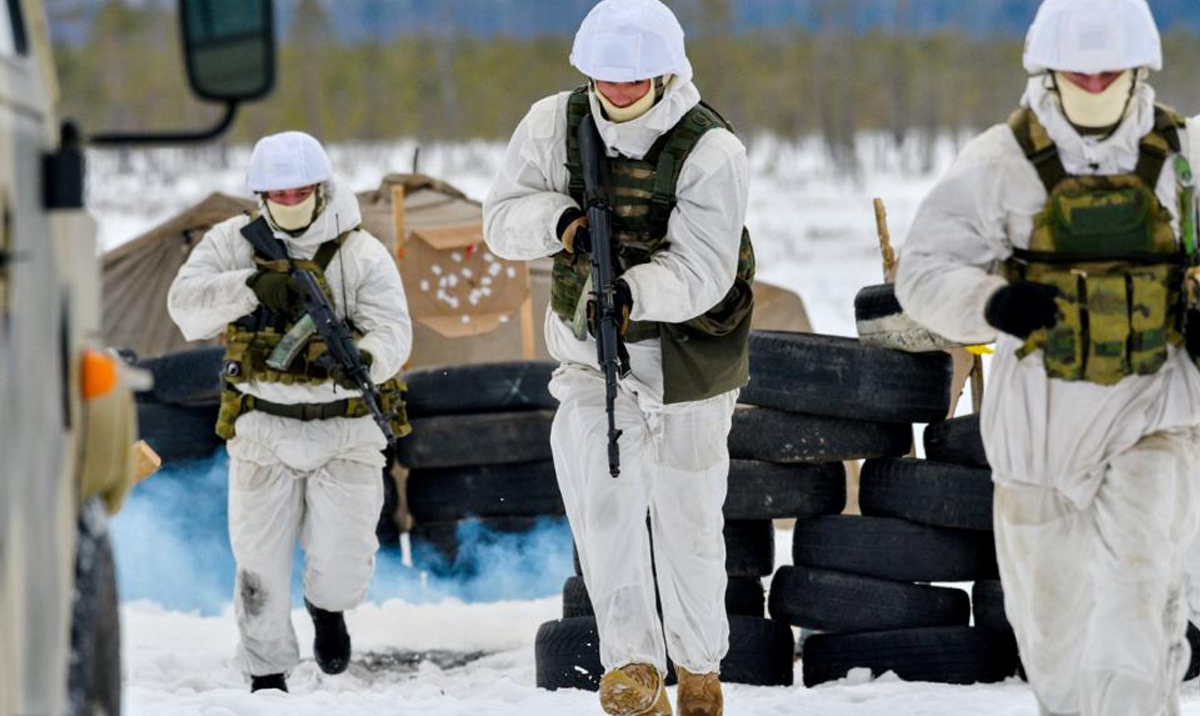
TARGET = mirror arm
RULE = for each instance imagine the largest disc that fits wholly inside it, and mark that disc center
(117, 138)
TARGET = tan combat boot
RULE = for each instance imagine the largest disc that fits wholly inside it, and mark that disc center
(634, 690)
(699, 694)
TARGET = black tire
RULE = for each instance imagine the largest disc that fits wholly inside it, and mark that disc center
(94, 675)
(782, 437)
(762, 490)
(835, 601)
(482, 388)
(927, 492)
(987, 604)
(875, 302)
(842, 378)
(179, 433)
(956, 441)
(436, 546)
(386, 530)
(567, 654)
(1193, 639)
(749, 548)
(515, 490)
(464, 440)
(890, 548)
(186, 377)
(744, 596)
(947, 655)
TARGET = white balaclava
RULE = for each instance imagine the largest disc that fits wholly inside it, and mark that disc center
(1088, 110)
(638, 108)
(296, 217)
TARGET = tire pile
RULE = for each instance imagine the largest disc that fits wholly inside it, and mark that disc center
(178, 415)
(813, 402)
(478, 458)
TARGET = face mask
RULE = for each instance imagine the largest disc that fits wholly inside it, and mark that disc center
(1095, 111)
(295, 217)
(638, 108)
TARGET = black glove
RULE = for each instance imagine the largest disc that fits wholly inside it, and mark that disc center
(622, 301)
(573, 231)
(277, 291)
(1022, 307)
(335, 370)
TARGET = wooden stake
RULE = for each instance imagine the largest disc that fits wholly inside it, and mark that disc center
(885, 242)
(398, 210)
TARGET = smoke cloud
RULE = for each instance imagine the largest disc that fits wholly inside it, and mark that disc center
(172, 548)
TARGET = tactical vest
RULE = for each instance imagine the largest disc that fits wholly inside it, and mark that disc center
(707, 355)
(1107, 244)
(250, 341)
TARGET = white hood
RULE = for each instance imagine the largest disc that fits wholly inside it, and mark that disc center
(341, 214)
(1082, 154)
(635, 137)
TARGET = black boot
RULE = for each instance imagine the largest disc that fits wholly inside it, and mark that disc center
(268, 681)
(331, 646)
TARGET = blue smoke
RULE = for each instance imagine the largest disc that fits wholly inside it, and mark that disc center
(172, 548)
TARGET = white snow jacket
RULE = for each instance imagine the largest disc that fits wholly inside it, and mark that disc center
(690, 276)
(210, 292)
(1037, 430)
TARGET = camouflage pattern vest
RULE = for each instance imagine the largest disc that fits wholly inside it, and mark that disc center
(251, 340)
(707, 355)
(1107, 244)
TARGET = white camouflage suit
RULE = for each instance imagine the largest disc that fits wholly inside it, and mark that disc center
(319, 480)
(1096, 496)
(674, 458)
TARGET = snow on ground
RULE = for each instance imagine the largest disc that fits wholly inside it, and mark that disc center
(444, 648)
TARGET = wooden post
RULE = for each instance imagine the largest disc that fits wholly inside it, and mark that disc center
(977, 385)
(398, 210)
(885, 242)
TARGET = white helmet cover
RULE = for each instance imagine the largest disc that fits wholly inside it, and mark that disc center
(630, 40)
(1092, 36)
(286, 161)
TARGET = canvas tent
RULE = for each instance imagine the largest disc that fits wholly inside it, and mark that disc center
(136, 276)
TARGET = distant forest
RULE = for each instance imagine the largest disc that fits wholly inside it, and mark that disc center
(127, 74)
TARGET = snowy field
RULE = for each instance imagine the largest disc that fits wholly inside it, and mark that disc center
(441, 648)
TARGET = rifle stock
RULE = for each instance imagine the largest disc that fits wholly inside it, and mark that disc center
(608, 338)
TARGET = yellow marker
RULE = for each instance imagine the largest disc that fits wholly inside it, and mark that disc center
(980, 350)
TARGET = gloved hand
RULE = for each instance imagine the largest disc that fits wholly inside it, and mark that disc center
(622, 301)
(573, 231)
(1022, 307)
(277, 291)
(337, 373)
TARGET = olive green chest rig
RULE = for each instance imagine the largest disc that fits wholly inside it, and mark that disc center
(1107, 244)
(253, 349)
(707, 355)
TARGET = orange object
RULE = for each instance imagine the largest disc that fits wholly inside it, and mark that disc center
(99, 374)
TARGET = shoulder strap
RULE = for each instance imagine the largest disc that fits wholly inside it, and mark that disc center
(1160, 143)
(670, 153)
(1039, 149)
(578, 107)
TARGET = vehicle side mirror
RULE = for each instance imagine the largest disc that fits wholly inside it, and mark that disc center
(228, 48)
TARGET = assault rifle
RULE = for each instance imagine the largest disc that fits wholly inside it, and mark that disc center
(319, 318)
(610, 351)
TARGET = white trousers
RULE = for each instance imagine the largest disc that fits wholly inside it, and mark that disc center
(674, 464)
(1095, 595)
(334, 510)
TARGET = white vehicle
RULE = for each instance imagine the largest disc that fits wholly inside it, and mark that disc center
(66, 411)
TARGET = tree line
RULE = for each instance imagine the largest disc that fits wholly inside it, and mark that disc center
(787, 82)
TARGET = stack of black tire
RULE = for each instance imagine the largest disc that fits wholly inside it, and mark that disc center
(178, 416)
(812, 403)
(479, 455)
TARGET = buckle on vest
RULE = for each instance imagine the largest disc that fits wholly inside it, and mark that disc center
(231, 369)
